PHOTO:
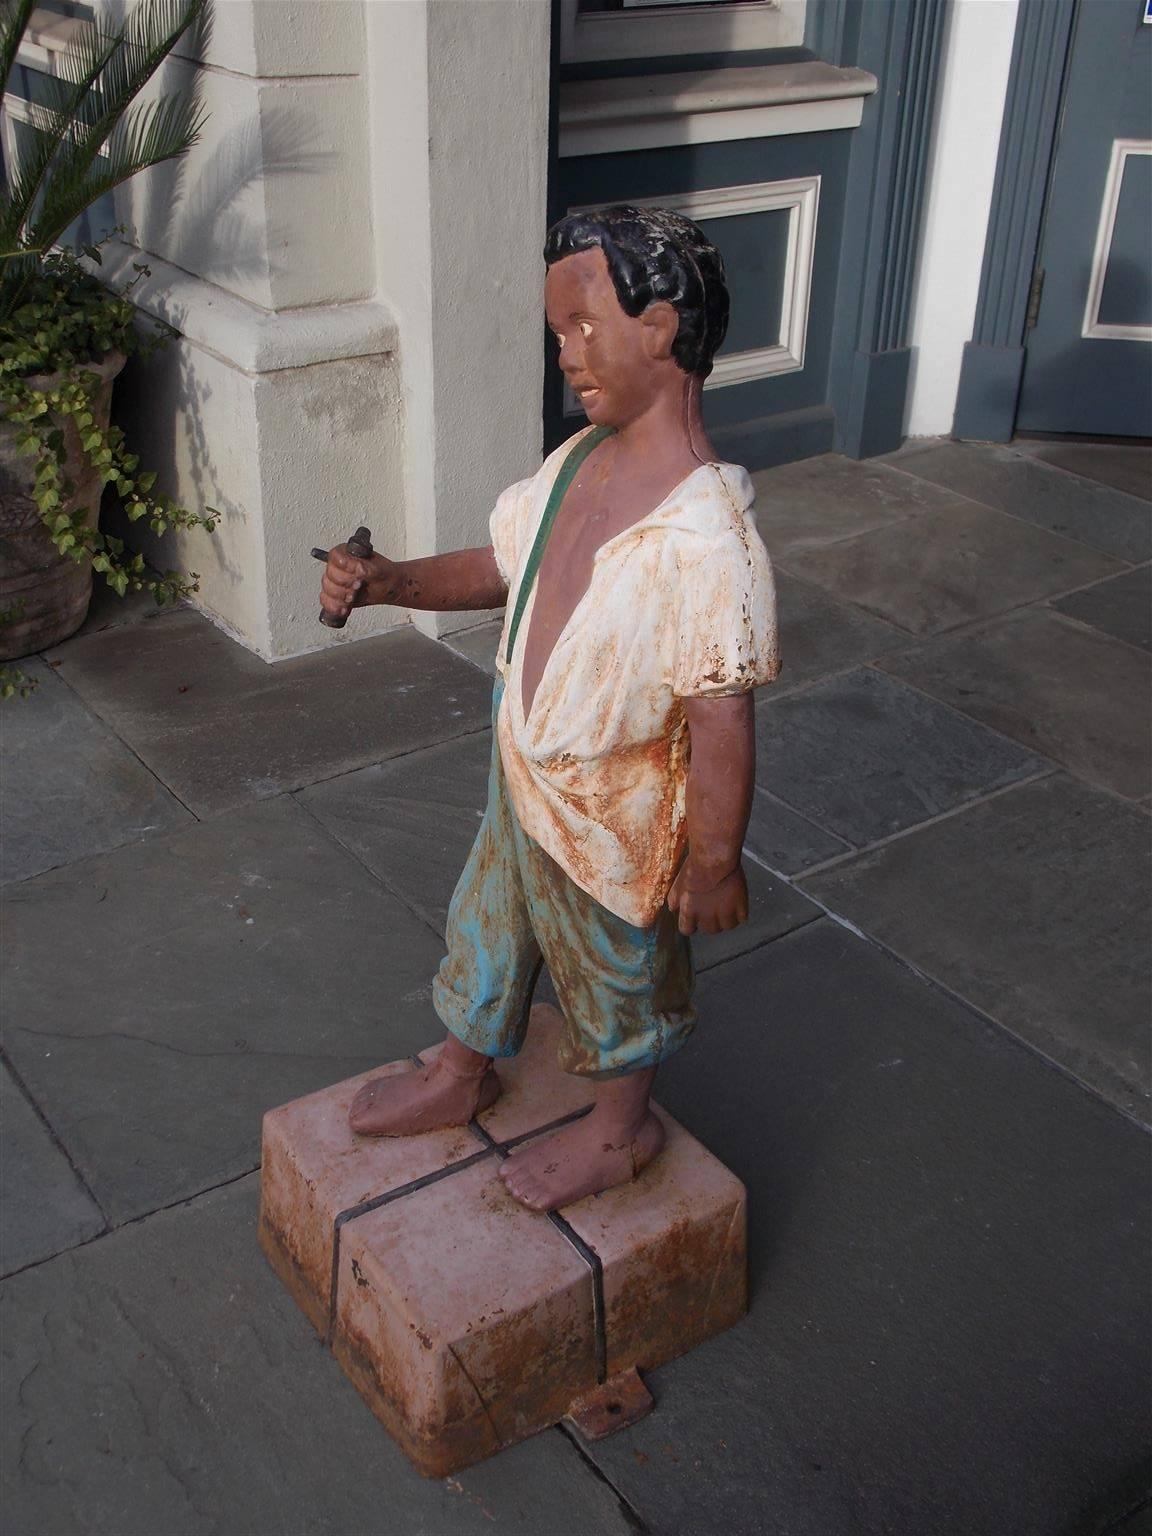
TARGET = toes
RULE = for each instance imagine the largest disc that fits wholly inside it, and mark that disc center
(359, 1120)
(521, 1184)
(529, 1194)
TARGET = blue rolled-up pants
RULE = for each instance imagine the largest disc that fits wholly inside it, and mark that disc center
(625, 992)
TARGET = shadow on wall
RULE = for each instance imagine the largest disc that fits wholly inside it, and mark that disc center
(162, 404)
(191, 212)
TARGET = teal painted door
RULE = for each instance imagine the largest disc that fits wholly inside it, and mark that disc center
(1088, 361)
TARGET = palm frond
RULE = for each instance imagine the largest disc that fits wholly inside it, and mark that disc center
(58, 117)
(91, 133)
(147, 134)
(149, 34)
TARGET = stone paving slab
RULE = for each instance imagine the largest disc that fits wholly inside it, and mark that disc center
(1139, 1523)
(1015, 482)
(221, 727)
(162, 1381)
(107, 610)
(1074, 694)
(413, 823)
(478, 645)
(44, 1208)
(864, 758)
(948, 1242)
(948, 567)
(781, 838)
(1120, 606)
(821, 500)
(210, 975)
(1032, 905)
(819, 635)
(70, 788)
(1127, 469)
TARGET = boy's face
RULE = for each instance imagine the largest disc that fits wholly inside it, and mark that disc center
(613, 362)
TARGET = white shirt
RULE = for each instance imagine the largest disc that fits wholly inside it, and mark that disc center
(680, 605)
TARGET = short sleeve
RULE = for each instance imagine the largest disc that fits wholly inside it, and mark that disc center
(506, 527)
(726, 637)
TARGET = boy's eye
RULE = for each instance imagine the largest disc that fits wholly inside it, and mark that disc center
(585, 328)
(559, 338)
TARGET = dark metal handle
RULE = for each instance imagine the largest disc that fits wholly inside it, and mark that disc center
(359, 545)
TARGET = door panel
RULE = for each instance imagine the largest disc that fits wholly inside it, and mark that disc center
(1089, 356)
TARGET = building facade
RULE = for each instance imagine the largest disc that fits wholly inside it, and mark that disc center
(352, 253)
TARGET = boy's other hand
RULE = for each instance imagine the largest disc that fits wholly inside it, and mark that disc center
(349, 582)
(713, 909)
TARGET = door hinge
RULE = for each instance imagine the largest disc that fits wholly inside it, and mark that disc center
(1035, 293)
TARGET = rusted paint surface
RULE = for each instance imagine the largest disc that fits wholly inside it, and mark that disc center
(314, 1168)
(626, 992)
(466, 1321)
(617, 1403)
(673, 1248)
(475, 1324)
(682, 604)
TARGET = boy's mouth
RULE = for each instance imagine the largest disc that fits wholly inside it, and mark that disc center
(588, 394)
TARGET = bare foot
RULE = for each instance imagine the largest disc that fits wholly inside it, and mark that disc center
(431, 1100)
(582, 1159)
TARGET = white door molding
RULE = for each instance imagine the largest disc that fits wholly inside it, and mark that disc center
(1093, 327)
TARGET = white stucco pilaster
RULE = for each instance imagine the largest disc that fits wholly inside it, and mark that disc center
(279, 403)
(960, 180)
(459, 115)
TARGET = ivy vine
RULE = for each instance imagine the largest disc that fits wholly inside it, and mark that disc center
(64, 325)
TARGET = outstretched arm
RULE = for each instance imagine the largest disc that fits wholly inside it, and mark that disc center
(461, 579)
(710, 893)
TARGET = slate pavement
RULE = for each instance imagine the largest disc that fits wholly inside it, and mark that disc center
(225, 884)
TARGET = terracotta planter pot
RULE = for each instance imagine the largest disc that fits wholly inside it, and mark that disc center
(55, 589)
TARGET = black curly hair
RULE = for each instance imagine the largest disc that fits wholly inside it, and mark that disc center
(654, 254)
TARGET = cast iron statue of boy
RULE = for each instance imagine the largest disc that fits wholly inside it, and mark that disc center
(640, 616)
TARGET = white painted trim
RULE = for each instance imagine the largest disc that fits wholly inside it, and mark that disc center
(1092, 327)
(16, 109)
(709, 106)
(645, 34)
(801, 199)
(254, 340)
(48, 34)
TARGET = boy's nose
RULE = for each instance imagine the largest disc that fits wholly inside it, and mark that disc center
(571, 358)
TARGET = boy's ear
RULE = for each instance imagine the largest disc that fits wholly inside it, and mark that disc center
(661, 322)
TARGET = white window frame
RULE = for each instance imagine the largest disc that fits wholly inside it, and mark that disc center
(47, 36)
(1092, 327)
(644, 33)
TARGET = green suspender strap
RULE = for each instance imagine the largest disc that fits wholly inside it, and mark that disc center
(563, 480)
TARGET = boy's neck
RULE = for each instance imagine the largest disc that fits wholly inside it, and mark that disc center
(671, 431)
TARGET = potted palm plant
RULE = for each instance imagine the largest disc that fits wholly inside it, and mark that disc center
(63, 336)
